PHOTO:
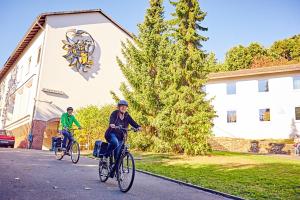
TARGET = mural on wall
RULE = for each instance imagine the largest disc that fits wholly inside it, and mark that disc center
(80, 47)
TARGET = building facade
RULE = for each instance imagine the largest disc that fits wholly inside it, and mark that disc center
(65, 59)
(261, 103)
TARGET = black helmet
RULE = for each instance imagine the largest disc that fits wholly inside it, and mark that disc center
(123, 103)
(69, 108)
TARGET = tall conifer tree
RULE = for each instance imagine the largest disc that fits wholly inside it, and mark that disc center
(188, 116)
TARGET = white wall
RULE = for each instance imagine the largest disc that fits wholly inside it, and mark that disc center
(281, 99)
(26, 82)
(80, 88)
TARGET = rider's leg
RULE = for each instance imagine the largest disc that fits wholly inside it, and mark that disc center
(118, 150)
(112, 143)
(66, 136)
(70, 139)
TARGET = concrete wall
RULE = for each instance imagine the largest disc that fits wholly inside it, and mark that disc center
(281, 99)
(79, 88)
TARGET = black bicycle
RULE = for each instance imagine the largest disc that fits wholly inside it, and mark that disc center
(73, 149)
(125, 167)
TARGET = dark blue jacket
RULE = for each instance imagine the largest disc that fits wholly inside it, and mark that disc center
(115, 119)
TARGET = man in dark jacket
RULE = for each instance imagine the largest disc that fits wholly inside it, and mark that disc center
(113, 135)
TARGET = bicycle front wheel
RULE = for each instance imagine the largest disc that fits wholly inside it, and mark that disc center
(126, 172)
(75, 152)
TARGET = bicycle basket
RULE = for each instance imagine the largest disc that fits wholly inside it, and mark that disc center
(100, 148)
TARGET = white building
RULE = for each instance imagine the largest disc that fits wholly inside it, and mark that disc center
(37, 83)
(260, 103)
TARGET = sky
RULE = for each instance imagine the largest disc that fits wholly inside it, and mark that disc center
(229, 22)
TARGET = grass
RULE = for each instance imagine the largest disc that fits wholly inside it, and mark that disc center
(245, 175)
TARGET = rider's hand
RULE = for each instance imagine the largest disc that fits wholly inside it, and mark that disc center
(112, 125)
(139, 128)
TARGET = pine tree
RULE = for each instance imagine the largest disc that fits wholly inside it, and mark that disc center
(187, 115)
(145, 60)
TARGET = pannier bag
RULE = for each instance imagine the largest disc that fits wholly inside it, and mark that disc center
(99, 148)
(56, 142)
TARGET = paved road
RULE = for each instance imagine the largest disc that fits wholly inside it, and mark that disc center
(33, 175)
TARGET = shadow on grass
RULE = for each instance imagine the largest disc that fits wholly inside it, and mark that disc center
(251, 181)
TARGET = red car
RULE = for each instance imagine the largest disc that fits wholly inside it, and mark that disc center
(6, 139)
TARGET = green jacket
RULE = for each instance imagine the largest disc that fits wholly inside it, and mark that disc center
(67, 121)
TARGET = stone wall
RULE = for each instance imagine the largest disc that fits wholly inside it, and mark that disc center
(252, 146)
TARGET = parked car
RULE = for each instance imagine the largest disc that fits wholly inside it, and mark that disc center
(6, 139)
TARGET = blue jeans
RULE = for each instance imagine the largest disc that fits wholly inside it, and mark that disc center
(67, 135)
(114, 144)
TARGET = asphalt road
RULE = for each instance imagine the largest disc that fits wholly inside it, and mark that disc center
(33, 175)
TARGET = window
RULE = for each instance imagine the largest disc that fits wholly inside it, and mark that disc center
(28, 66)
(231, 88)
(296, 82)
(264, 114)
(231, 116)
(263, 86)
(297, 113)
(39, 56)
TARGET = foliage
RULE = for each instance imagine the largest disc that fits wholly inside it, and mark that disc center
(165, 68)
(186, 120)
(288, 49)
(146, 57)
(282, 52)
(94, 121)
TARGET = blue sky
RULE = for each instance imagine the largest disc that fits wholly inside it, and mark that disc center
(229, 22)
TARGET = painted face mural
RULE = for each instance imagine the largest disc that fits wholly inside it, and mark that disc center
(80, 46)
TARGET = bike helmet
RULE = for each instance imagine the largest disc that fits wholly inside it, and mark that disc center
(69, 108)
(123, 103)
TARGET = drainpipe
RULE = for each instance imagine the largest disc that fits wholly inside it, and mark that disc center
(39, 73)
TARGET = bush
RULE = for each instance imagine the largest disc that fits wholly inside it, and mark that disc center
(94, 121)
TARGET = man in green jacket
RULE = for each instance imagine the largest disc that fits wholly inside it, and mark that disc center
(66, 122)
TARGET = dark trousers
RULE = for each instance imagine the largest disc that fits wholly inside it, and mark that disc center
(113, 144)
(67, 136)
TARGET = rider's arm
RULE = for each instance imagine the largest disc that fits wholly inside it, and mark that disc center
(76, 123)
(132, 122)
(63, 121)
(112, 119)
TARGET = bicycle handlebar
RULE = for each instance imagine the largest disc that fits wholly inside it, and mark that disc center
(127, 129)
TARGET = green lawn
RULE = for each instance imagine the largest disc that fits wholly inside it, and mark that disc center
(245, 175)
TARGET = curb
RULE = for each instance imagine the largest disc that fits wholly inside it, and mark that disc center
(192, 185)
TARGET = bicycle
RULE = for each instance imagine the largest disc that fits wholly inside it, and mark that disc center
(73, 149)
(125, 165)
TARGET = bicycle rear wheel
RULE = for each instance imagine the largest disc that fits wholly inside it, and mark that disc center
(59, 154)
(126, 172)
(75, 152)
(103, 170)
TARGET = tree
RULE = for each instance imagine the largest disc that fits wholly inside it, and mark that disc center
(144, 68)
(288, 49)
(187, 116)
(281, 52)
(94, 121)
(241, 57)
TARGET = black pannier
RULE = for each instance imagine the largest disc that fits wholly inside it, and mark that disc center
(99, 148)
(56, 142)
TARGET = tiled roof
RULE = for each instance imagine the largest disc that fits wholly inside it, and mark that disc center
(254, 72)
(34, 29)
